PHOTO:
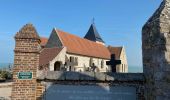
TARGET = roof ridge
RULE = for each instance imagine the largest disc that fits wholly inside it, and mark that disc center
(54, 47)
(115, 46)
(79, 37)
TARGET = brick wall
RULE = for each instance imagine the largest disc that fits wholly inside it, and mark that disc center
(26, 60)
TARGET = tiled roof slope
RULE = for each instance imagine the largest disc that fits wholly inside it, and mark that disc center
(48, 54)
(43, 41)
(80, 46)
(115, 50)
(28, 31)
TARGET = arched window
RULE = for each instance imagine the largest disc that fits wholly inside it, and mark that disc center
(57, 65)
(102, 63)
(91, 62)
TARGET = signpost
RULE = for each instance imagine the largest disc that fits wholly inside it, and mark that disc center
(24, 75)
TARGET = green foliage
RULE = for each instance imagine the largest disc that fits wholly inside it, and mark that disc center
(5, 75)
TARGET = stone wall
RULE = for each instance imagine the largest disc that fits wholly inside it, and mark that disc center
(156, 53)
(95, 79)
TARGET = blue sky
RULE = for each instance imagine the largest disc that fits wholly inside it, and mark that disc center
(119, 22)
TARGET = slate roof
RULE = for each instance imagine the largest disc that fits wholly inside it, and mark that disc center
(48, 54)
(44, 41)
(81, 46)
(28, 31)
(115, 50)
(93, 34)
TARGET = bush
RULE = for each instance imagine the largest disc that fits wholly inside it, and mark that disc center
(5, 75)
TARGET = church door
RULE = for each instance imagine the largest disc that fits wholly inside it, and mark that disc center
(57, 66)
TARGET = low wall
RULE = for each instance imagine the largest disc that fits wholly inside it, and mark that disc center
(77, 85)
(5, 91)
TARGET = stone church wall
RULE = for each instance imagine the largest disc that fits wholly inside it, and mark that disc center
(123, 67)
(84, 61)
(60, 57)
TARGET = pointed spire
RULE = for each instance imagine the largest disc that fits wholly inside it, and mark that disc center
(27, 31)
(93, 34)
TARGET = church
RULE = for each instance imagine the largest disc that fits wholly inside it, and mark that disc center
(63, 51)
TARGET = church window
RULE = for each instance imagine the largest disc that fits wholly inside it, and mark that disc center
(122, 68)
(91, 62)
(76, 60)
(69, 68)
(57, 66)
(102, 63)
(70, 59)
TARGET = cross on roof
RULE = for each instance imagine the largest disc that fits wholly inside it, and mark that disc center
(93, 20)
(113, 62)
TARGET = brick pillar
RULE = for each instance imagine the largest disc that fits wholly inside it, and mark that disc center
(26, 62)
(156, 53)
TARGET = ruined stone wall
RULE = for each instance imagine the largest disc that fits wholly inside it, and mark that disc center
(156, 53)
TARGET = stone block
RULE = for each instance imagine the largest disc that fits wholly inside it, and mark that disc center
(55, 75)
(125, 77)
(159, 97)
(158, 76)
(87, 76)
(166, 67)
(100, 76)
(110, 76)
(72, 76)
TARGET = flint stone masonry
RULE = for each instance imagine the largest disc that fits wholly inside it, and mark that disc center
(92, 76)
(156, 53)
